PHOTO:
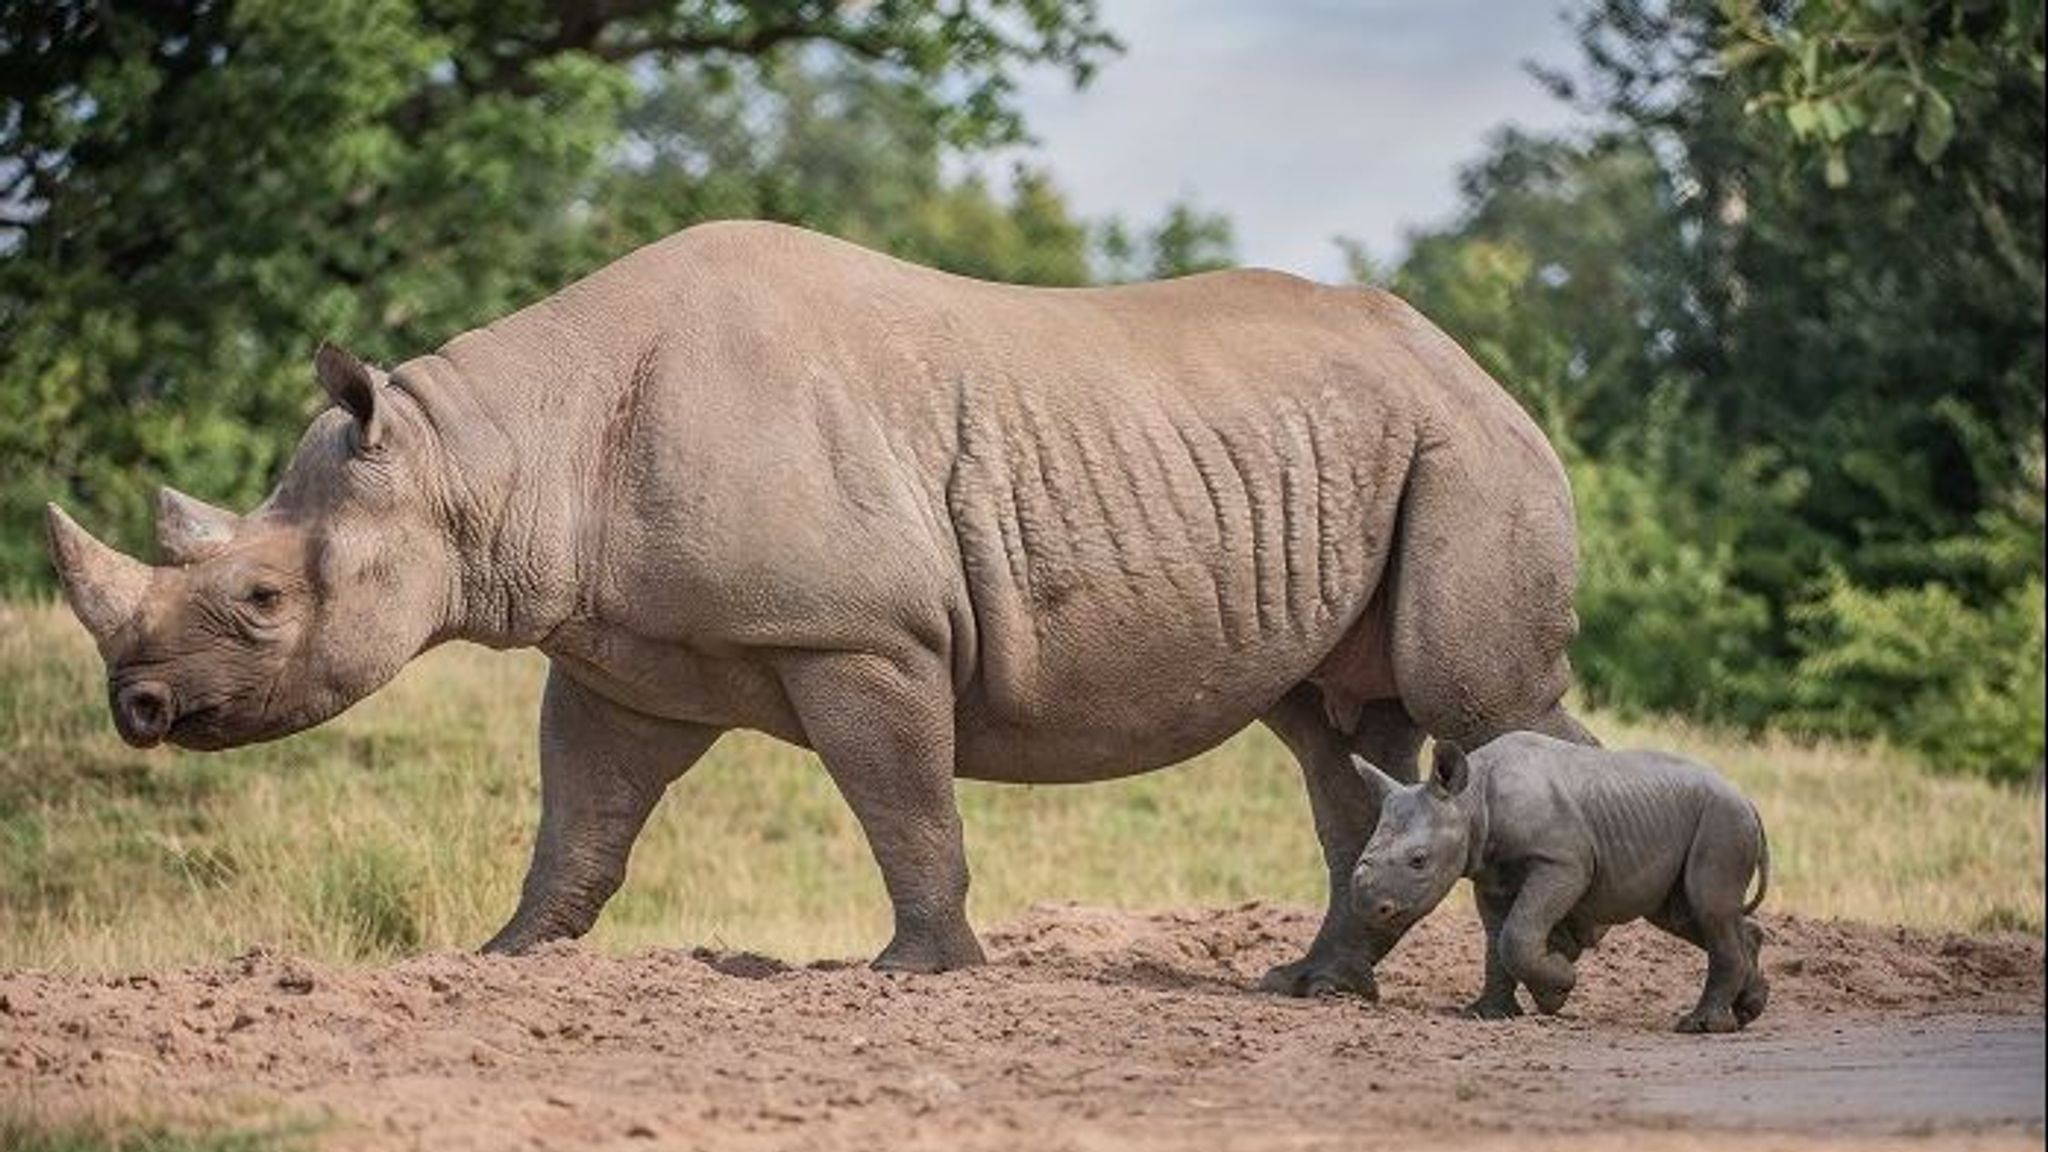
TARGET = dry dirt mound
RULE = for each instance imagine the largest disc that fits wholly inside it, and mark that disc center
(1093, 1029)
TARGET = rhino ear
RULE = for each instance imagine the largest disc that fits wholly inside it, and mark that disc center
(1452, 771)
(1379, 783)
(350, 383)
(188, 529)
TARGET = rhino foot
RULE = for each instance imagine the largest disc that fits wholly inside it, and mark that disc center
(1505, 1008)
(932, 953)
(523, 935)
(1701, 1020)
(1313, 976)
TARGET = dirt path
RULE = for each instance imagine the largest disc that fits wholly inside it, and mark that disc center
(1094, 1029)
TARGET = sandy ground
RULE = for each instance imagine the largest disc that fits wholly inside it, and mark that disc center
(1092, 1029)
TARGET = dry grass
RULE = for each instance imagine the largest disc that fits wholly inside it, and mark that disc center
(405, 826)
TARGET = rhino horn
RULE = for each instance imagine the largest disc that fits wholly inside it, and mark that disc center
(1381, 784)
(188, 529)
(104, 588)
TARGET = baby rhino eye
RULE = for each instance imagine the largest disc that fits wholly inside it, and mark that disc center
(1418, 861)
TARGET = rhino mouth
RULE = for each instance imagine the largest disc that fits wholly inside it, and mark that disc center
(198, 730)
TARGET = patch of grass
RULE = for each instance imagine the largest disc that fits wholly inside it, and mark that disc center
(406, 824)
(370, 892)
(22, 1130)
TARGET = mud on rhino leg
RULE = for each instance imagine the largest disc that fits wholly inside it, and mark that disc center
(602, 768)
(1342, 956)
(884, 728)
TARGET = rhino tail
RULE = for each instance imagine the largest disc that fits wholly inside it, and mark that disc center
(1763, 863)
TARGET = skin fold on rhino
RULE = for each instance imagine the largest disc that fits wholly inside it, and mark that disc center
(752, 477)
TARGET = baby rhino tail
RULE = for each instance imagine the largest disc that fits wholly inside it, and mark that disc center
(1763, 863)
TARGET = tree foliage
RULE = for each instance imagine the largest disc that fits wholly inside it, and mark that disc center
(1186, 240)
(193, 192)
(1783, 306)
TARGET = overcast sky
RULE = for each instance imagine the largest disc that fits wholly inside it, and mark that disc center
(1300, 119)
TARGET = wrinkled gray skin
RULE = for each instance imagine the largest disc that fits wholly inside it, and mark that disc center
(751, 477)
(1560, 842)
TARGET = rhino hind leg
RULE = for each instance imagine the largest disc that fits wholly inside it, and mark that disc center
(1728, 972)
(1481, 612)
(884, 729)
(1717, 872)
(1341, 958)
(1756, 994)
(602, 768)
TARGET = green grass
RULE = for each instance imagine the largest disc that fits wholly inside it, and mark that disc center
(23, 1130)
(405, 826)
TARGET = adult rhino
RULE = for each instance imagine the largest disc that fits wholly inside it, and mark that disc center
(751, 477)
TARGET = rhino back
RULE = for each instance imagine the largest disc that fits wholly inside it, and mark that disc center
(1631, 814)
(1133, 517)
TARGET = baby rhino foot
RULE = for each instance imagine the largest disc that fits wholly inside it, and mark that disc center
(1550, 1001)
(1502, 1008)
(1314, 976)
(1750, 1004)
(1709, 1020)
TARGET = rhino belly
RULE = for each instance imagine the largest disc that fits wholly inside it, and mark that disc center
(1121, 716)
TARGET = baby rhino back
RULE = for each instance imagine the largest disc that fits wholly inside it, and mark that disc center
(1648, 819)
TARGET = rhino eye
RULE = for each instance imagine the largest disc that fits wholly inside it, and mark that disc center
(264, 597)
(1419, 861)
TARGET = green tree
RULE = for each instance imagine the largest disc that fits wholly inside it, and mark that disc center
(192, 192)
(1792, 349)
(1883, 335)
(1559, 278)
(834, 146)
(1186, 240)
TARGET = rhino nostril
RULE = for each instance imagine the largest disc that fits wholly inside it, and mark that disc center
(143, 711)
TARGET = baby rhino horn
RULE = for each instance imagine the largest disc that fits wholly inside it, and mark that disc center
(1381, 784)
(189, 529)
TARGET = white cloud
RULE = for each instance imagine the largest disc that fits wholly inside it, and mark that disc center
(1302, 120)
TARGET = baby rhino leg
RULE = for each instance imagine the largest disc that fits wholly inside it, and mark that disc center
(1497, 999)
(1717, 874)
(1548, 894)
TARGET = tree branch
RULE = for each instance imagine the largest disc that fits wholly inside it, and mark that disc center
(748, 42)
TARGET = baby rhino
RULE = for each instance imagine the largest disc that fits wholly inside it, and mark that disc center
(1560, 842)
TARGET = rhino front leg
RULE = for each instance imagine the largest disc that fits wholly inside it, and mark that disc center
(1341, 958)
(1497, 999)
(884, 728)
(1548, 893)
(602, 768)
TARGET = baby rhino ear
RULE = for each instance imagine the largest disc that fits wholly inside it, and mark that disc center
(1452, 772)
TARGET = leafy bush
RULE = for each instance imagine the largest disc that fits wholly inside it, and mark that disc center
(1960, 685)
(1663, 627)
(1670, 519)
